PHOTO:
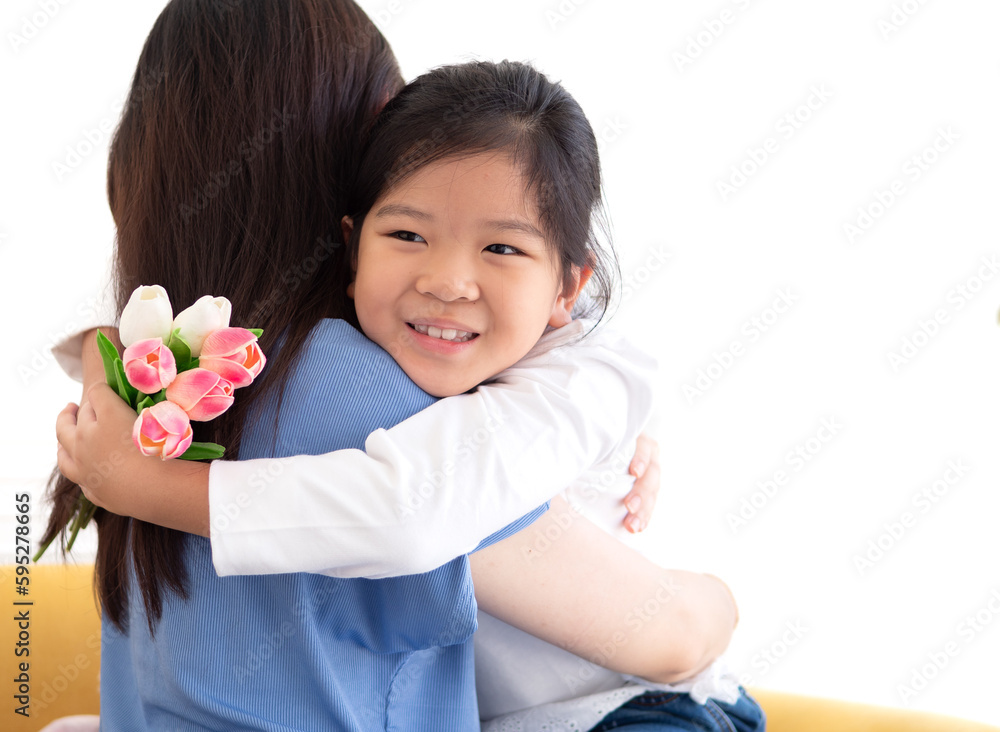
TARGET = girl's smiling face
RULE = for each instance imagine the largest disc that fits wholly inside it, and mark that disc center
(454, 276)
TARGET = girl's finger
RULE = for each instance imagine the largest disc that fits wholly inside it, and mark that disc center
(644, 447)
(67, 466)
(645, 466)
(646, 489)
(86, 414)
(102, 399)
(66, 426)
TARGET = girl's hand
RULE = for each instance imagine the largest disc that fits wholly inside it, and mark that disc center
(96, 452)
(641, 499)
(95, 447)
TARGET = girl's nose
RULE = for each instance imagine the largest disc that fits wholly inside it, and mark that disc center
(448, 278)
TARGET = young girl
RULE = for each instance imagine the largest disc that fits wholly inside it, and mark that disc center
(466, 250)
(471, 236)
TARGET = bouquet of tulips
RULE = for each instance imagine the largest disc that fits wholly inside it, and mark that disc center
(174, 370)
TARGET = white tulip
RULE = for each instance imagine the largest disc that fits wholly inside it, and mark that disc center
(206, 315)
(147, 315)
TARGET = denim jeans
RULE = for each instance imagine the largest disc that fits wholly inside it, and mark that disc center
(661, 711)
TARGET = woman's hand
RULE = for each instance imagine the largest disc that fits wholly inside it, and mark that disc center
(96, 452)
(641, 499)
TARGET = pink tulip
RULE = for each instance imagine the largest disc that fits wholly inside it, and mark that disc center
(203, 394)
(163, 429)
(149, 365)
(234, 354)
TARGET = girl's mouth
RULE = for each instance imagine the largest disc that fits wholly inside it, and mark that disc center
(451, 335)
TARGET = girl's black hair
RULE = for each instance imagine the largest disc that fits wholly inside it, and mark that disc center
(510, 107)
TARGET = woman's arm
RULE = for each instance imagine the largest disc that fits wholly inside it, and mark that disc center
(593, 596)
(91, 365)
(421, 493)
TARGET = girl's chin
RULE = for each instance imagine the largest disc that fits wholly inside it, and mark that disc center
(440, 385)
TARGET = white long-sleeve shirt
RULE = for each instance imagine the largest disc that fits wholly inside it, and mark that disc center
(432, 487)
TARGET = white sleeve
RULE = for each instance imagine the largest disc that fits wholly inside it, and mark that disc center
(95, 312)
(432, 487)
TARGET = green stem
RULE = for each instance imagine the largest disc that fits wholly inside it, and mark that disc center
(40, 552)
(84, 512)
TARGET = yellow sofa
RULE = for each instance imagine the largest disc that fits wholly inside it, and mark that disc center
(63, 644)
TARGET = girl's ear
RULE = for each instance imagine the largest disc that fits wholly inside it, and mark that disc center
(347, 228)
(562, 310)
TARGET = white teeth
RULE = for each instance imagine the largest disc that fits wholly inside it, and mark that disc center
(445, 334)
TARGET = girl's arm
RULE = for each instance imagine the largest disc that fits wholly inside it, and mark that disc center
(593, 596)
(422, 493)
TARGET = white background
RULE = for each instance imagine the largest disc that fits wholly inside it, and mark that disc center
(700, 264)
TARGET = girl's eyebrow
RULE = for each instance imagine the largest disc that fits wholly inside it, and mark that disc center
(524, 227)
(401, 209)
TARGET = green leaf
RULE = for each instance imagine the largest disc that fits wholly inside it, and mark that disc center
(203, 451)
(108, 355)
(144, 404)
(127, 392)
(192, 364)
(160, 396)
(256, 331)
(181, 350)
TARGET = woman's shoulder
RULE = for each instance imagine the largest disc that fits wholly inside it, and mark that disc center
(335, 334)
(345, 385)
(339, 355)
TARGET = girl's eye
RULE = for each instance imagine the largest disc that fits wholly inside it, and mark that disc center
(407, 236)
(505, 249)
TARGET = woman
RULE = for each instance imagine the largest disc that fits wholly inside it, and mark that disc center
(249, 198)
